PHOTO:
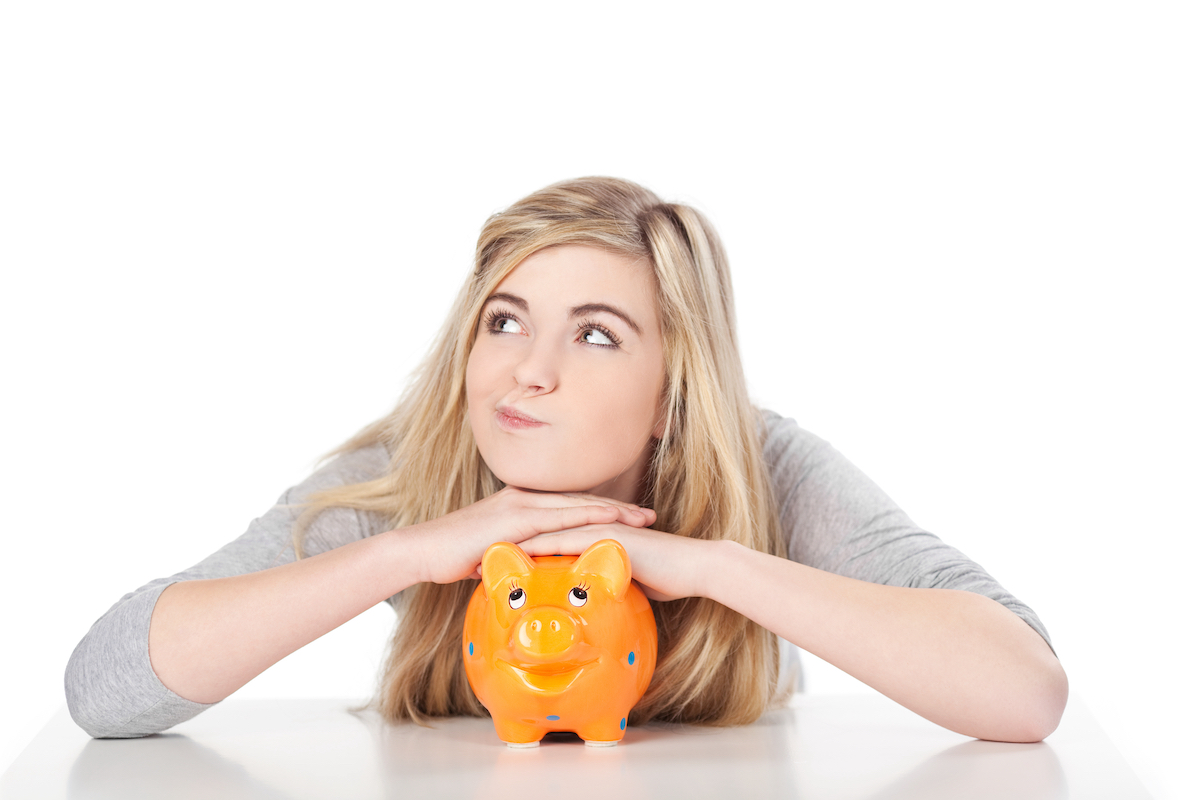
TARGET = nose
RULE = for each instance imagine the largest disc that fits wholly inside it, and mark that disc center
(545, 634)
(537, 371)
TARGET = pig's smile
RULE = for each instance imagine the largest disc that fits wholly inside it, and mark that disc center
(547, 678)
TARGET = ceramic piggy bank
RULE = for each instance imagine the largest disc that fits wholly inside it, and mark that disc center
(559, 643)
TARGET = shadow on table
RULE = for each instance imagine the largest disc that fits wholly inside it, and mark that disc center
(163, 765)
(983, 771)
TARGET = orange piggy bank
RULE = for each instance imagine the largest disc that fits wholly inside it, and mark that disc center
(559, 643)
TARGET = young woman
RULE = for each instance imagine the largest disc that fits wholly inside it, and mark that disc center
(587, 385)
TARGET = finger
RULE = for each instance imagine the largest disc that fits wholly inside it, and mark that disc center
(636, 517)
(549, 520)
(631, 514)
(557, 500)
(571, 543)
(595, 498)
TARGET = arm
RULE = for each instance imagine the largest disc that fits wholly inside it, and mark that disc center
(210, 637)
(113, 691)
(868, 591)
(956, 658)
(978, 660)
(169, 650)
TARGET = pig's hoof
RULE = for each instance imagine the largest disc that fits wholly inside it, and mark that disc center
(592, 743)
(525, 745)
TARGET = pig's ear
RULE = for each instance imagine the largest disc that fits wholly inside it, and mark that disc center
(501, 561)
(605, 563)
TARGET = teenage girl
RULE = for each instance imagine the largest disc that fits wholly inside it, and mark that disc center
(587, 385)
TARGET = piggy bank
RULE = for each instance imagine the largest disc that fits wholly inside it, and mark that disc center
(559, 643)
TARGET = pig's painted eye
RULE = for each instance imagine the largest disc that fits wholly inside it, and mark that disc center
(577, 597)
(516, 598)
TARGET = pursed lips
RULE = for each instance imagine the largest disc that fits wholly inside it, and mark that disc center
(511, 418)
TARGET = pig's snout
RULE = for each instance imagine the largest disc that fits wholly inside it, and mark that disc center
(545, 634)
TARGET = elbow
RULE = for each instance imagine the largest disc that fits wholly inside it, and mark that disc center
(1040, 709)
(81, 704)
(100, 700)
(1053, 702)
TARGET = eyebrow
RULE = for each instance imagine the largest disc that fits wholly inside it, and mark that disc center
(577, 311)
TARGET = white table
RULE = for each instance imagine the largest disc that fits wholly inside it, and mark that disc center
(826, 747)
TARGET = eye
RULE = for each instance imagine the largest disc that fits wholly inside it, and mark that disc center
(499, 320)
(597, 336)
(516, 598)
(577, 597)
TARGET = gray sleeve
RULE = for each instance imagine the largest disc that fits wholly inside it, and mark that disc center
(837, 520)
(112, 690)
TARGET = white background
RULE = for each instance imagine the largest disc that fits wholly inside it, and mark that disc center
(965, 243)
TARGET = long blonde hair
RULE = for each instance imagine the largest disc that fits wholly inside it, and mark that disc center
(707, 477)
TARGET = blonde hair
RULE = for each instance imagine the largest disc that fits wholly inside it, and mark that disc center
(707, 476)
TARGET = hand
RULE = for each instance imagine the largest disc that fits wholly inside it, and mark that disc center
(667, 566)
(450, 548)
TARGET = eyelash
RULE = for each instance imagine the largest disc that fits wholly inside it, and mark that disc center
(496, 315)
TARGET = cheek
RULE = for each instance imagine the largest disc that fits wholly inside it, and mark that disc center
(625, 404)
(477, 386)
(480, 375)
(472, 378)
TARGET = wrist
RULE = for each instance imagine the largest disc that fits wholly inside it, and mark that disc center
(406, 553)
(719, 555)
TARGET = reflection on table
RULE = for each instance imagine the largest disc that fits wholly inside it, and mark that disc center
(853, 746)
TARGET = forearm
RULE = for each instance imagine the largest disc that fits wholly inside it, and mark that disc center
(956, 658)
(210, 637)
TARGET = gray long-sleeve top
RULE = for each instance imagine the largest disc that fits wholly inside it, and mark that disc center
(834, 518)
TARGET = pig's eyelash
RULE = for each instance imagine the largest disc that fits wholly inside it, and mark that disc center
(584, 586)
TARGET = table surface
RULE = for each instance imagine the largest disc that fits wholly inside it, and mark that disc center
(823, 746)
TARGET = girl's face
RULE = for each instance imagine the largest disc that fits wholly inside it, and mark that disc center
(566, 375)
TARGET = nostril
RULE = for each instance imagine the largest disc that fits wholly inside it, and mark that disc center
(537, 625)
(554, 625)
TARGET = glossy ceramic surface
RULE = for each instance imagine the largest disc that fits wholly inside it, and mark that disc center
(559, 643)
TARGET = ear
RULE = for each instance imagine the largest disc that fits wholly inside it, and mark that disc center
(606, 563)
(501, 561)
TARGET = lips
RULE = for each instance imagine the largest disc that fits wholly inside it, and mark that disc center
(511, 419)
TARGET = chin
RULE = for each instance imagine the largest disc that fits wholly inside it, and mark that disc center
(541, 481)
(535, 485)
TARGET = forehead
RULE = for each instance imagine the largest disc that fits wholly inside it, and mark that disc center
(574, 274)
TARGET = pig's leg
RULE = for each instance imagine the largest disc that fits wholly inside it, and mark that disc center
(605, 731)
(518, 734)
